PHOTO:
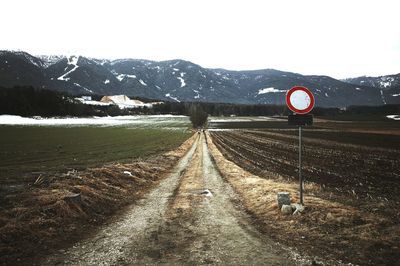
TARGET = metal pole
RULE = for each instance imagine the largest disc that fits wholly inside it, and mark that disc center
(300, 176)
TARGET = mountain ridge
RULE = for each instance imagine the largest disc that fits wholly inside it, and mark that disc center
(181, 80)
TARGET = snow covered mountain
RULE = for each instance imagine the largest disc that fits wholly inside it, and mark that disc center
(177, 80)
(389, 86)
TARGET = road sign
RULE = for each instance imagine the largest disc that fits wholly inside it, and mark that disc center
(300, 120)
(300, 100)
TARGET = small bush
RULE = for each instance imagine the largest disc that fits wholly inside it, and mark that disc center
(198, 116)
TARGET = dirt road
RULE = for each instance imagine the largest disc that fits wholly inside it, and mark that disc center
(191, 218)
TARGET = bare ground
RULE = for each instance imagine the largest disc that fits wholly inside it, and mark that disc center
(43, 217)
(179, 223)
(351, 202)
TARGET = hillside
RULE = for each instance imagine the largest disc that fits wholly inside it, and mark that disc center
(179, 80)
(389, 86)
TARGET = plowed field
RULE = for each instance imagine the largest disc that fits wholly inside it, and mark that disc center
(366, 171)
(353, 168)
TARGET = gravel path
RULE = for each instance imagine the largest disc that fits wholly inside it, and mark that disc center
(180, 223)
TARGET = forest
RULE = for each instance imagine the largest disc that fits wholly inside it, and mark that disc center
(30, 101)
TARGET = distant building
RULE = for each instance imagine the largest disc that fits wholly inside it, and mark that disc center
(123, 101)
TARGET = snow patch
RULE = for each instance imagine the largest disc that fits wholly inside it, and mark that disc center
(86, 89)
(183, 84)
(173, 98)
(106, 81)
(394, 117)
(386, 82)
(30, 59)
(142, 82)
(383, 97)
(269, 90)
(72, 60)
(358, 89)
(120, 77)
(326, 94)
(198, 94)
(396, 95)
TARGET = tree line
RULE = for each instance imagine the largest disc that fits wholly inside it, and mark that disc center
(29, 101)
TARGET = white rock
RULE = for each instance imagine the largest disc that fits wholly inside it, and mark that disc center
(286, 209)
(297, 208)
(329, 216)
(128, 173)
(206, 193)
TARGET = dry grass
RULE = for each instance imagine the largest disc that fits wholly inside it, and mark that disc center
(43, 218)
(326, 229)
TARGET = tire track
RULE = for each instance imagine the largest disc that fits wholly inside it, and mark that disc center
(179, 224)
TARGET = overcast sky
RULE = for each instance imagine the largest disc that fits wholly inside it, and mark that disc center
(336, 38)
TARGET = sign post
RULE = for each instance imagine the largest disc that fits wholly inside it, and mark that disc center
(301, 101)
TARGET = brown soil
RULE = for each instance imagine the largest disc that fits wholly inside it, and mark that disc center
(44, 217)
(351, 202)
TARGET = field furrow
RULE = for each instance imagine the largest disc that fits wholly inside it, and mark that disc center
(356, 169)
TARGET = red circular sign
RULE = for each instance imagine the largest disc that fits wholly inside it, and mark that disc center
(300, 100)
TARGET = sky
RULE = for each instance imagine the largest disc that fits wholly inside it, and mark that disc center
(331, 37)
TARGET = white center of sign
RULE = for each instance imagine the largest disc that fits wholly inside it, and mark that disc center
(300, 100)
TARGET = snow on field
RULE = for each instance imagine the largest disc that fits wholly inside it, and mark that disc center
(240, 119)
(269, 90)
(394, 117)
(150, 120)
